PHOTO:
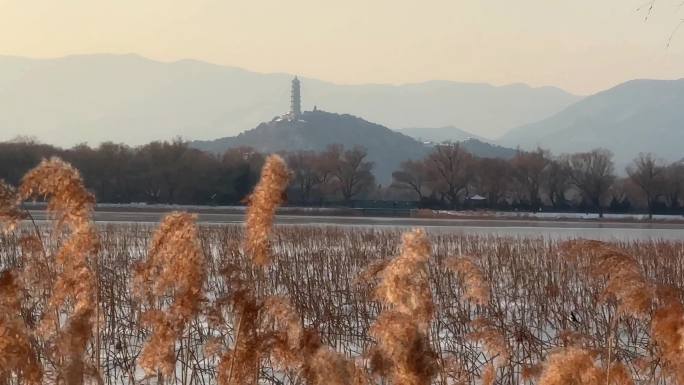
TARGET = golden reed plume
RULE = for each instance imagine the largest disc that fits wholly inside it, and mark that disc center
(625, 280)
(403, 352)
(297, 348)
(576, 366)
(10, 213)
(477, 290)
(16, 350)
(175, 266)
(17, 354)
(241, 364)
(474, 282)
(667, 331)
(268, 194)
(71, 205)
(404, 284)
(491, 338)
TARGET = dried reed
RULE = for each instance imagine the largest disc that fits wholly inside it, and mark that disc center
(404, 285)
(667, 331)
(474, 282)
(241, 365)
(175, 266)
(403, 352)
(625, 280)
(492, 339)
(10, 213)
(17, 354)
(76, 284)
(300, 349)
(268, 194)
(576, 366)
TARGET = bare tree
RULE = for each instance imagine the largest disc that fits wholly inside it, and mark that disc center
(673, 187)
(353, 172)
(305, 178)
(412, 175)
(450, 171)
(493, 179)
(528, 170)
(556, 183)
(592, 173)
(647, 173)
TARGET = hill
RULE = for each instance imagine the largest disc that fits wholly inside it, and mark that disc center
(636, 116)
(315, 130)
(440, 134)
(487, 150)
(131, 99)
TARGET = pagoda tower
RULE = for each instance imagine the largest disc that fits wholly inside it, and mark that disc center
(295, 99)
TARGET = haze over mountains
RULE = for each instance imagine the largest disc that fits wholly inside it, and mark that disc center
(131, 99)
(134, 100)
(636, 116)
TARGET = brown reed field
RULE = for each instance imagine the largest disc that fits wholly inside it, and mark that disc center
(180, 303)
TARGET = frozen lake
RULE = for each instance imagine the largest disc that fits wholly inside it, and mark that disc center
(590, 229)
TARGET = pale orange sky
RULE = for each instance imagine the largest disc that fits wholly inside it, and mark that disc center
(582, 46)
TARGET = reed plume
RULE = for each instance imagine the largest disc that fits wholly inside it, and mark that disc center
(488, 376)
(477, 290)
(491, 338)
(577, 366)
(268, 194)
(69, 202)
(625, 281)
(301, 349)
(403, 352)
(473, 279)
(667, 331)
(10, 213)
(241, 364)
(17, 354)
(404, 284)
(175, 266)
(570, 366)
(71, 205)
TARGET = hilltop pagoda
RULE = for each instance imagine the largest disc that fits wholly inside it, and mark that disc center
(295, 100)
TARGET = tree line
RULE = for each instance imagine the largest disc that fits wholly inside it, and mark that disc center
(585, 181)
(175, 173)
(449, 177)
(158, 172)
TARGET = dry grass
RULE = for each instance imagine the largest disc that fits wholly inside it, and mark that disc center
(182, 304)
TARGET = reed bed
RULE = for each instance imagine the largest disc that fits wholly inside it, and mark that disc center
(540, 299)
(181, 303)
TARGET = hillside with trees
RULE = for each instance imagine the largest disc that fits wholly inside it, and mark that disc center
(316, 130)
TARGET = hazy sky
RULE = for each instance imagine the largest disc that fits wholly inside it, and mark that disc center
(580, 45)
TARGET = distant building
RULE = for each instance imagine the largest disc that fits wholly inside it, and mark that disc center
(295, 99)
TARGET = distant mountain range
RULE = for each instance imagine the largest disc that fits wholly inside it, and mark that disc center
(315, 130)
(134, 100)
(131, 99)
(636, 116)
